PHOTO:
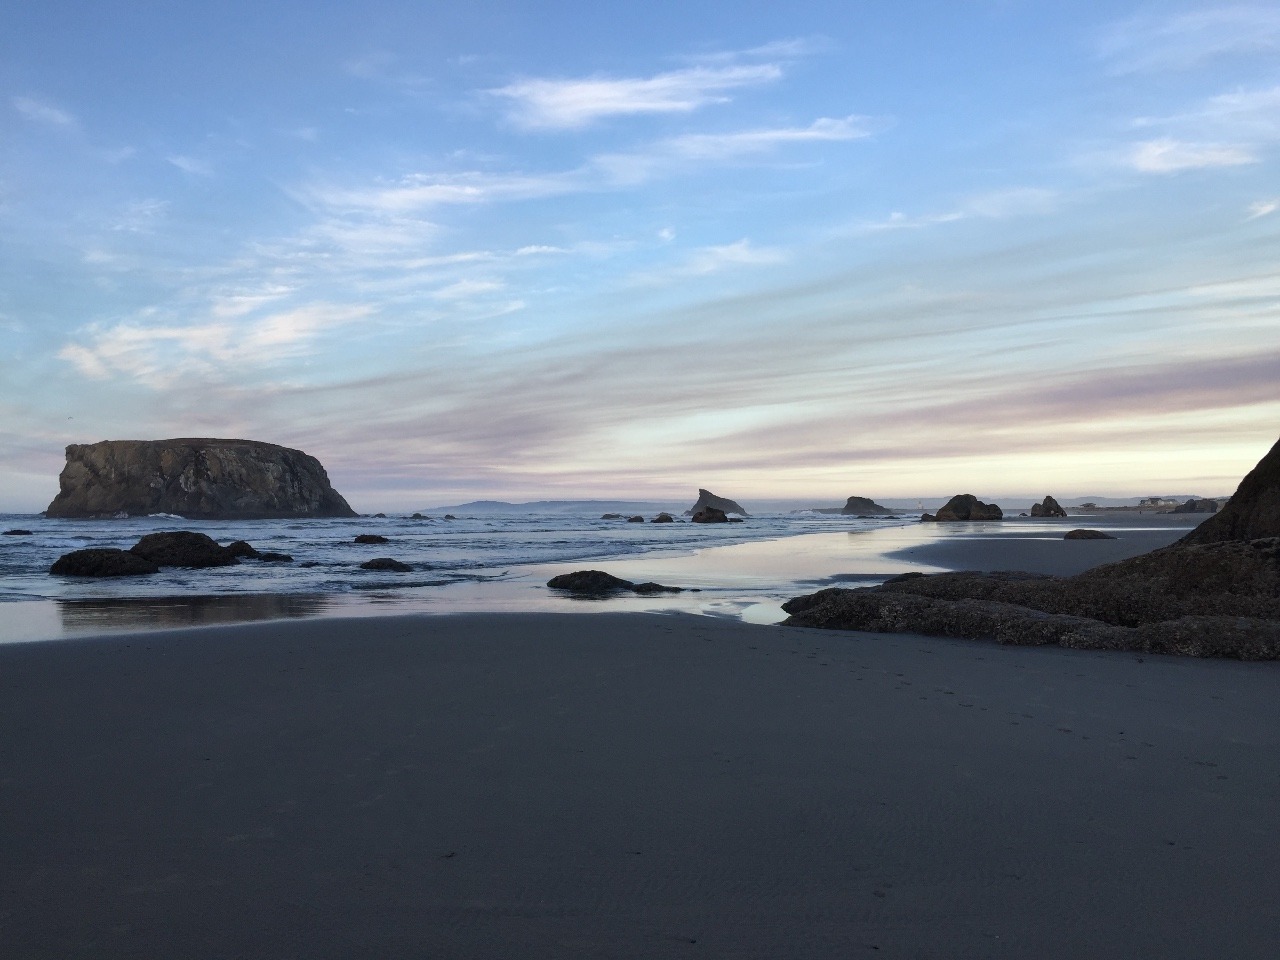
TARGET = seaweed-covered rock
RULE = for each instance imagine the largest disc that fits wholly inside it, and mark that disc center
(183, 548)
(102, 562)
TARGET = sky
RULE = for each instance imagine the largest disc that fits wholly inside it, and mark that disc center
(524, 250)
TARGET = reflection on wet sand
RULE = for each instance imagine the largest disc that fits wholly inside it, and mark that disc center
(81, 616)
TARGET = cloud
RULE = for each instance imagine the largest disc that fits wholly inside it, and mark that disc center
(421, 191)
(160, 355)
(991, 205)
(546, 104)
(191, 165)
(45, 113)
(466, 289)
(1154, 42)
(141, 216)
(1167, 155)
(713, 259)
(1263, 208)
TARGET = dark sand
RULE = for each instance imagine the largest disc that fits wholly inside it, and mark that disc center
(629, 786)
(1040, 548)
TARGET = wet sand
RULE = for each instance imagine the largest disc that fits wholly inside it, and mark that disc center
(628, 785)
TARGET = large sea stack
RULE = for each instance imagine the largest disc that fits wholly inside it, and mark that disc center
(708, 499)
(200, 479)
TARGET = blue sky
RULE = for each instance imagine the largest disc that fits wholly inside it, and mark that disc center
(527, 250)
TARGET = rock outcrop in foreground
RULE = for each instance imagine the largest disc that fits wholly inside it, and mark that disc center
(965, 507)
(1215, 593)
(708, 499)
(202, 479)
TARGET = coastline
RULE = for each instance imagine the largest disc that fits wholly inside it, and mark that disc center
(745, 580)
(627, 785)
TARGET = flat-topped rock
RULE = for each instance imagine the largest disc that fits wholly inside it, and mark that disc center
(862, 506)
(203, 478)
(708, 499)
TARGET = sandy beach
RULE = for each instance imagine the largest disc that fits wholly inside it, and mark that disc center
(629, 785)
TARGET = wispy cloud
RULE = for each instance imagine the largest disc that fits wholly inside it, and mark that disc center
(704, 261)
(563, 104)
(421, 191)
(708, 148)
(39, 111)
(1168, 155)
(159, 355)
(197, 168)
(1263, 208)
(1182, 40)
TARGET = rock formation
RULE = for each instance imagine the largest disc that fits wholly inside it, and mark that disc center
(708, 499)
(861, 506)
(102, 562)
(370, 538)
(598, 583)
(1196, 506)
(184, 548)
(1253, 510)
(194, 478)
(663, 518)
(386, 563)
(1086, 535)
(1214, 593)
(965, 507)
(1049, 508)
(710, 515)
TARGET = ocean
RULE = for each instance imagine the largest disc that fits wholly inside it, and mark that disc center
(486, 560)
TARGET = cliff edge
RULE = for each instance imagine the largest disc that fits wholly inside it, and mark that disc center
(202, 478)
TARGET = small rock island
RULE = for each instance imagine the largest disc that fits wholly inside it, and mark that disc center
(708, 499)
(199, 479)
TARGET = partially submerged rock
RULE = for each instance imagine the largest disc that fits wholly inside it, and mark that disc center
(965, 507)
(664, 518)
(243, 550)
(200, 478)
(599, 583)
(862, 506)
(635, 519)
(17, 533)
(183, 548)
(1086, 535)
(371, 538)
(611, 516)
(102, 562)
(1048, 508)
(707, 499)
(710, 515)
(386, 563)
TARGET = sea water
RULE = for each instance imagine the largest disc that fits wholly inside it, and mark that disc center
(485, 561)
